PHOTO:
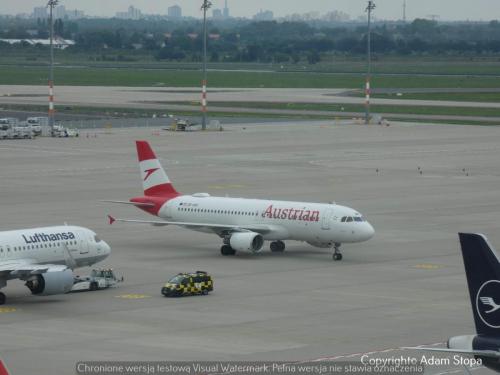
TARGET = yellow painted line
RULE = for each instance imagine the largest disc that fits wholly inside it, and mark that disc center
(7, 310)
(133, 296)
(427, 266)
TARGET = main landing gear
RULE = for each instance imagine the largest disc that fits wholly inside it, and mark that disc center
(2, 298)
(227, 250)
(277, 246)
(337, 255)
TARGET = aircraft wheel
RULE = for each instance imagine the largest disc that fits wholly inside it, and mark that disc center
(2, 298)
(227, 250)
(337, 256)
(277, 246)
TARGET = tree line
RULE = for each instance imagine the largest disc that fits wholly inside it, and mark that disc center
(268, 41)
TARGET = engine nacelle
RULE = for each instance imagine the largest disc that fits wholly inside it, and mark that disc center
(50, 283)
(246, 241)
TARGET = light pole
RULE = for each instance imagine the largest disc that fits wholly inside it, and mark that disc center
(369, 8)
(51, 4)
(206, 5)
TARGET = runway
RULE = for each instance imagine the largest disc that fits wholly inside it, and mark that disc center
(155, 97)
(417, 184)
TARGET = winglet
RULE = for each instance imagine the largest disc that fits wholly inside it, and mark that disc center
(111, 219)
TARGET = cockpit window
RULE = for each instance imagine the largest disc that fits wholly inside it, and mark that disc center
(349, 219)
(358, 219)
(343, 219)
(97, 239)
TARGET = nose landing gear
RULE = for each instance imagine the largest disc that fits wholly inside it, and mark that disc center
(2, 298)
(337, 255)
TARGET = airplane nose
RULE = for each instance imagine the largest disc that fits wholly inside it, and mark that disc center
(368, 231)
(106, 248)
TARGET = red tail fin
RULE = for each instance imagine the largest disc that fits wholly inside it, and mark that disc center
(155, 181)
(3, 369)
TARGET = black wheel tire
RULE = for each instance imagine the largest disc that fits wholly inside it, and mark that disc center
(281, 246)
(2, 299)
(204, 292)
(277, 246)
(227, 250)
(337, 256)
(93, 286)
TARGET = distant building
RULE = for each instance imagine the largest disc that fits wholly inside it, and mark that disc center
(131, 14)
(40, 12)
(60, 12)
(58, 42)
(264, 15)
(217, 14)
(225, 12)
(175, 11)
(74, 14)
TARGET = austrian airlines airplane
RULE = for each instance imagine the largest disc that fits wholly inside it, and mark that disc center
(45, 257)
(244, 224)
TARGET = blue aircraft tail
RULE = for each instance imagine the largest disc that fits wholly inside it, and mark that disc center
(482, 268)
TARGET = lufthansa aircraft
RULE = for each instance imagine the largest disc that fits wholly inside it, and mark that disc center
(482, 268)
(45, 257)
(244, 224)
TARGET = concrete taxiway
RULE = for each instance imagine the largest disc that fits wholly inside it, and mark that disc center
(417, 184)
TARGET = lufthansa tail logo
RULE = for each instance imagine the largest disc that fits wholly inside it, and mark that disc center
(486, 306)
(491, 302)
(149, 172)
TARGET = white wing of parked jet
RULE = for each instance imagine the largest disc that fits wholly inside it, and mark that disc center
(28, 266)
(262, 229)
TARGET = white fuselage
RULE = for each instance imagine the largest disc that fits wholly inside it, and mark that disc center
(53, 245)
(318, 224)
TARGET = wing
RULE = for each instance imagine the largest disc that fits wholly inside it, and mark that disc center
(216, 228)
(21, 268)
(481, 353)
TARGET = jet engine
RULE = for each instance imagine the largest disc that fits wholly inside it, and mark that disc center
(246, 241)
(50, 283)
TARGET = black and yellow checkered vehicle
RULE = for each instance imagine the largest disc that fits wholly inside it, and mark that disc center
(186, 284)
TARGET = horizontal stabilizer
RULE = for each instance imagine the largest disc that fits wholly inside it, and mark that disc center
(137, 204)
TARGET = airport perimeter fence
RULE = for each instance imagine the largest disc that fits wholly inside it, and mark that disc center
(107, 123)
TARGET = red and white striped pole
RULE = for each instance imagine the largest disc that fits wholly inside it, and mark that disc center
(367, 100)
(51, 99)
(204, 97)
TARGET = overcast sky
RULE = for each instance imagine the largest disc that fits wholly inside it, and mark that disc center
(386, 9)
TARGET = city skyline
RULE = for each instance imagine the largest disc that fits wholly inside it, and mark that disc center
(386, 9)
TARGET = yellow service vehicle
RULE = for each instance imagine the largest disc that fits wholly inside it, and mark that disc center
(186, 284)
